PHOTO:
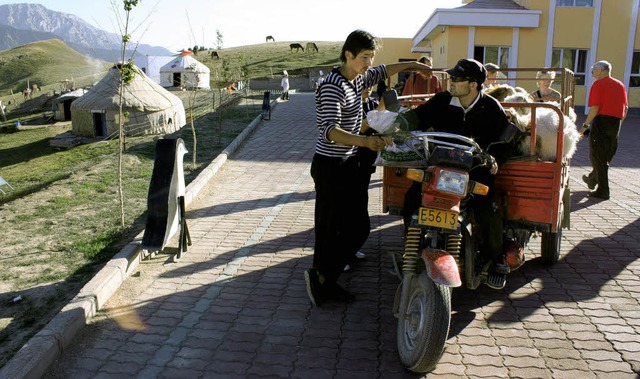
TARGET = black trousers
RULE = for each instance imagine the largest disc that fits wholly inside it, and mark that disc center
(341, 221)
(603, 144)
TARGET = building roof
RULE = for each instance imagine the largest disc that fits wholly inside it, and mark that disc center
(479, 13)
(184, 62)
(142, 94)
(69, 95)
(491, 4)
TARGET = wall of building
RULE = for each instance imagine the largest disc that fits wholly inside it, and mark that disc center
(571, 34)
(493, 37)
(572, 27)
(458, 41)
(394, 50)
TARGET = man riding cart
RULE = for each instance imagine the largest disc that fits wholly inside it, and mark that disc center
(472, 192)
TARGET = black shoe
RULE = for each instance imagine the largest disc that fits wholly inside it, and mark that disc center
(314, 288)
(501, 267)
(496, 281)
(599, 195)
(590, 182)
(336, 293)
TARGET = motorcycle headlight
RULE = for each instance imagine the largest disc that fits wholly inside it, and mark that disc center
(452, 182)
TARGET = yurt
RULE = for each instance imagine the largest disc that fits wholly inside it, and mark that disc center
(184, 71)
(62, 104)
(148, 108)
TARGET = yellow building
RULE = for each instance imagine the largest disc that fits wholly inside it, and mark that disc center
(573, 34)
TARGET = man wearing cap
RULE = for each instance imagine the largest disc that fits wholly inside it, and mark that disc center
(467, 111)
(493, 75)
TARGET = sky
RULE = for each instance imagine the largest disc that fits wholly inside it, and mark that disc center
(179, 24)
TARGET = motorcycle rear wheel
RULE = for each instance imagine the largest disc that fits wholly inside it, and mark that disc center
(423, 326)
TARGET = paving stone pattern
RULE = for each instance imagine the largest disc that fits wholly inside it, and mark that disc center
(235, 305)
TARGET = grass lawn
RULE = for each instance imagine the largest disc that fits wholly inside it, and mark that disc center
(63, 221)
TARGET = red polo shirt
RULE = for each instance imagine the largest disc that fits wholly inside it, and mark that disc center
(610, 95)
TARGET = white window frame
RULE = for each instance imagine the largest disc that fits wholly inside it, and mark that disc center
(574, 3)
(635, 60)
(577, 74)
(503, 63)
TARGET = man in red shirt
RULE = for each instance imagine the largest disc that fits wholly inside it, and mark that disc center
(422, 83)
(608, 107)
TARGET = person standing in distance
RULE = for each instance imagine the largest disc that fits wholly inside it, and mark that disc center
(285, 86)
(608, 107)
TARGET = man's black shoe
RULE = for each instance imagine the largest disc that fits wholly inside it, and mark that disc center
(590, 182)
(336, 293)
(501, 267)
(599, 195)
(314, 288)
(496, 281)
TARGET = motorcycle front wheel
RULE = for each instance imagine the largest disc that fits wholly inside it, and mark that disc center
(423, 326)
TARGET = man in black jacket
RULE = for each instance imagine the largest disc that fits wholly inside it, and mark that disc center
(467, 111)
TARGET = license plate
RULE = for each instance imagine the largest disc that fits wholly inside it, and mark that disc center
(438, 218)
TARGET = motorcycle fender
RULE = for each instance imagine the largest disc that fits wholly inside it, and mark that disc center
(441, 267)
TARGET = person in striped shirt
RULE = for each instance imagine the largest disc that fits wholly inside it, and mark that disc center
(339, 227)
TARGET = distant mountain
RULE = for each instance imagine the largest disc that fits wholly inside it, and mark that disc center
(24, 23)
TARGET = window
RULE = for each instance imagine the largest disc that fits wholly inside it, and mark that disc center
(634, 79)
(573, 59)
(574, 3)
(492, 54)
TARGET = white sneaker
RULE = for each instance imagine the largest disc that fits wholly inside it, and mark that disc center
(361, 255)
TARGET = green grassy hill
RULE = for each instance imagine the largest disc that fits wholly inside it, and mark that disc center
(46, 63)
(267, 59)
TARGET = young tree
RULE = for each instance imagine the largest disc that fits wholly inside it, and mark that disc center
(127, 73)
(192, 102)
(219, 39)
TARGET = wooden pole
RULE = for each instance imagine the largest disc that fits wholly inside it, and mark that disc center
(4, 116)
(14, 99)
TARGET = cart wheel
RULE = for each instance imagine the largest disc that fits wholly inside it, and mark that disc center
(550, 245)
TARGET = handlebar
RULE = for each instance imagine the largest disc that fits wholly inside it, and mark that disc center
(468, 144)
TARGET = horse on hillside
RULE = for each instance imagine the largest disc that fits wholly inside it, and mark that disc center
(296, 46)
(311, 46)
(270, 38)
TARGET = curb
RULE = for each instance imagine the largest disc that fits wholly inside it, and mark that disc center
(35, 357)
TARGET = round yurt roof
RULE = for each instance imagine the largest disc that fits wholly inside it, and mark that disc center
(184, 62)
(142, 94)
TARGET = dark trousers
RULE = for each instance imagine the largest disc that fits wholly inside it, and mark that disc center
(603, 143)
(341, 222)
(366, 158)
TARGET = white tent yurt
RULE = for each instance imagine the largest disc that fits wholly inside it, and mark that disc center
(149, 108)
(62, 104)
(184, 71)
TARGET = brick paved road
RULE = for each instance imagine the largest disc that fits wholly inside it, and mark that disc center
(235, 305)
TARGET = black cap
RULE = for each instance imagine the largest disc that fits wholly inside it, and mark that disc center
(469, 68)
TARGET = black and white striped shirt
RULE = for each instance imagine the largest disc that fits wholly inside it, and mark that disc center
(339, 103)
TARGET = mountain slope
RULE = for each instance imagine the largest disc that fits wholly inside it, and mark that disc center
(44, 63)
(76, 32)
(12, 37)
